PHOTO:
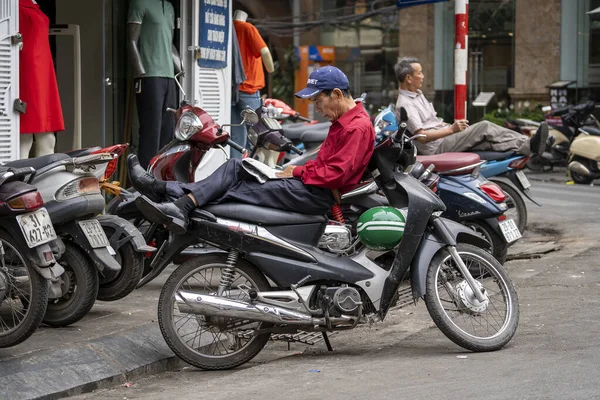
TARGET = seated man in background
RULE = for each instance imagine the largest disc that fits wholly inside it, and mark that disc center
(442, 137)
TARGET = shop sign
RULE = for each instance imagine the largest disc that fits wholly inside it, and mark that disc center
(214, 33)
(408, 3)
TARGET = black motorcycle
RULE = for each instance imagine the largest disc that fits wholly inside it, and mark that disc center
(276, 274)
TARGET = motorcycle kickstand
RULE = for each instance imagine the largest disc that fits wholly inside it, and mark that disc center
(327, 342)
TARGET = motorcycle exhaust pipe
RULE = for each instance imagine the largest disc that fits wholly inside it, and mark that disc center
(194, 303)
(579, 168)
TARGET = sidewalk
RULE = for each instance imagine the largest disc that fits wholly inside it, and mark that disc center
(120, 341)
(558, 174)
(116, 341)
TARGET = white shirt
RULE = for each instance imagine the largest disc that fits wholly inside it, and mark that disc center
(421, 115)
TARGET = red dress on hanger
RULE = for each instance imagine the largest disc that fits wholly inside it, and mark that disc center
(37, 79)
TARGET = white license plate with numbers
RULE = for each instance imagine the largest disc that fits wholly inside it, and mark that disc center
(37, 227)
(510, 230)
(523, 179)
(94, 233)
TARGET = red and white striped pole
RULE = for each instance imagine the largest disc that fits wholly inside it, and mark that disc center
(461, 57)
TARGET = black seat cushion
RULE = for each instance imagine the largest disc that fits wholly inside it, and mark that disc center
(38, 162)
(592, 130)
(262, 215)
(295, 132)
(83, 152)
(494, 155)
(314, 136)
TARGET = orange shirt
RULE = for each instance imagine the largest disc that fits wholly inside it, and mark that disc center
(250, 45)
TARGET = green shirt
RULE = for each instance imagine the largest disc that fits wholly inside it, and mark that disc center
(156, 36)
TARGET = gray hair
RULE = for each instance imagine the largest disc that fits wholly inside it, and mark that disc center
(404, 67)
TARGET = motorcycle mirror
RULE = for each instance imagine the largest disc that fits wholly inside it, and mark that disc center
(403, 114)
(249, 116)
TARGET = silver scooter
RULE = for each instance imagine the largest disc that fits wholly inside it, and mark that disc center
(71, 192)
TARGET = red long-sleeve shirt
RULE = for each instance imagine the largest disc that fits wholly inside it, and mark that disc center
(344, 155)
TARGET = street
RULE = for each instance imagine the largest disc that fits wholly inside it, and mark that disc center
(553, 355)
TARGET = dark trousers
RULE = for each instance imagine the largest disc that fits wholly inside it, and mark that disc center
(157, 125)
(231, 183)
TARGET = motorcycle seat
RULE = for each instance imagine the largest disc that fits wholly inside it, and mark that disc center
(494, 155)
(314, 136)
(295, 132)
(451, 163)
(592, 130)
(262, 215)
(82, 152)
(38, 162)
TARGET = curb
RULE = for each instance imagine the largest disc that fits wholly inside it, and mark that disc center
(87, 365)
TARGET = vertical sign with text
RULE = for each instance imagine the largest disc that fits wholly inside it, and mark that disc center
(214, 33)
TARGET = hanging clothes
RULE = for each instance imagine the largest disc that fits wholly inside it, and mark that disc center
(37, 78)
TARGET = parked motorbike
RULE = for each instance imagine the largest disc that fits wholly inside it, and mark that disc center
(29, 273)
(562, 135)
(74, 201)
(469, 197)
(584, 156)
(496, 165)
(319, 290)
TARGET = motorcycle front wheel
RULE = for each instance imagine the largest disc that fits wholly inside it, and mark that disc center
(471, 324)
(208, 342)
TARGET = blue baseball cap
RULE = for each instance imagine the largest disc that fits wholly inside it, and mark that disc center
(324, 78)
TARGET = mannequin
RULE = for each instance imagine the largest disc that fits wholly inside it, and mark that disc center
(155, 61)
(255, 54)
(37, 83)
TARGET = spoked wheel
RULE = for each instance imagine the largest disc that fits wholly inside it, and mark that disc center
(517, 209)
(474, 325)
(23, 296)
(210, 342)
(498, 246)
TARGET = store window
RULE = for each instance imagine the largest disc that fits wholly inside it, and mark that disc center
(491, 53)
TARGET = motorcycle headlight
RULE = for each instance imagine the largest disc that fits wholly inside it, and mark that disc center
(381, 125)
(188, 125)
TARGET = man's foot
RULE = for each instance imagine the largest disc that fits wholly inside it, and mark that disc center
(168, 214)
(144, 182)
(538, 141)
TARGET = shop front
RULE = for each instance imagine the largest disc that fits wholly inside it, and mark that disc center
(88, 40)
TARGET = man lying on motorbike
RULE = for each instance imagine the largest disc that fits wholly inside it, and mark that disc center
(442, 137)
(309, 189)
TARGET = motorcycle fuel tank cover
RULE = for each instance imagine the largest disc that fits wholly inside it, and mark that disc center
(381, 228)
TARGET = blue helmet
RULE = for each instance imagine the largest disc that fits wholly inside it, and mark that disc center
(385, 123)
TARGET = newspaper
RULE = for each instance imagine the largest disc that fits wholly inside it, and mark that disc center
(260, 171)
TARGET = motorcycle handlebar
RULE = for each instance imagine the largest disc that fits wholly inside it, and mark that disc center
(236, 146)
(296, 150)
(301, 118)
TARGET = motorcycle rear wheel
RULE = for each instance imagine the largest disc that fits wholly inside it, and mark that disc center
(201, 275)
(80, 289)
(579, 178)
(448, 296)
(26, 297)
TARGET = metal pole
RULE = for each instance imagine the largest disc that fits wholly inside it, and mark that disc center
(461, 18)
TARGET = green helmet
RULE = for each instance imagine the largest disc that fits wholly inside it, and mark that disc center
(381, 228)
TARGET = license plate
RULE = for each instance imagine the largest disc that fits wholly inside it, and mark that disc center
(510, 230)
(94, 233)
(523, 179)
(36, 227)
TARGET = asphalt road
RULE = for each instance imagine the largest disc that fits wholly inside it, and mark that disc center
(554, 354)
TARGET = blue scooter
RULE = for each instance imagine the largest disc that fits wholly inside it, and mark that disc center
(496, 165)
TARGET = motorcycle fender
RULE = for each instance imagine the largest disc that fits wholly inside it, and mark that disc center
(107, 265)
(124, 231)
(50, 273)
(512, 175)
(431, 244)
(41, 256)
